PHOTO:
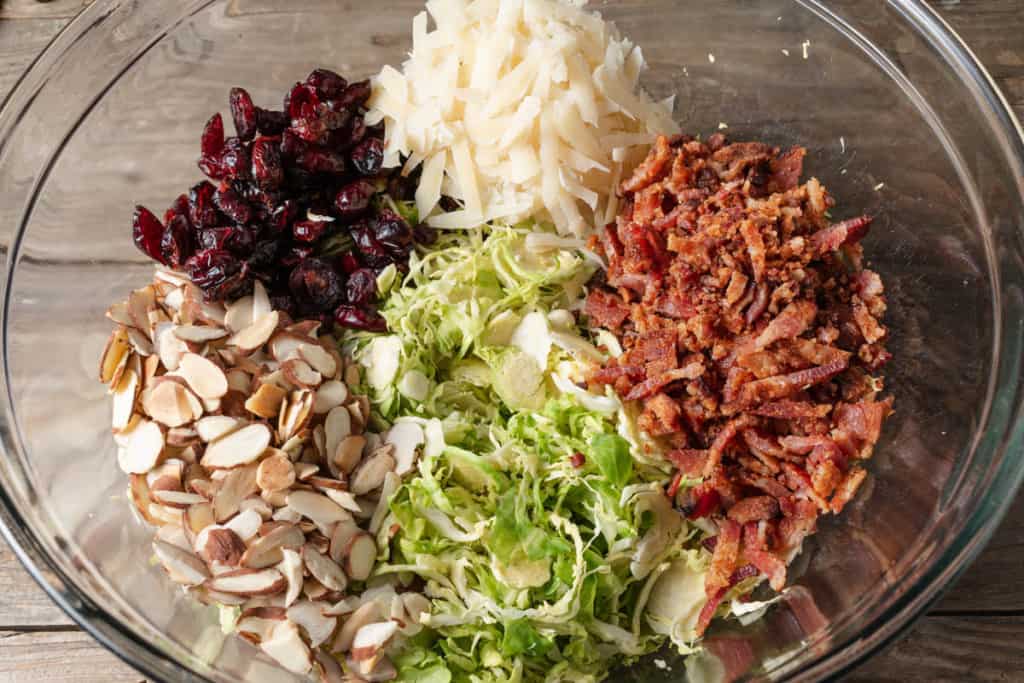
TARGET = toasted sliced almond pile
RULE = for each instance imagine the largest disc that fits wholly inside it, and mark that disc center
(249, 452)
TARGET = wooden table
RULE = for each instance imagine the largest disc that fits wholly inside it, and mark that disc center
(976, 633)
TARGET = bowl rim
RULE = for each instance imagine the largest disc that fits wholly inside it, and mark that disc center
(842, 657)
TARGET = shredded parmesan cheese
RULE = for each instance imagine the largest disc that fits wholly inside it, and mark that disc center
(517, 109)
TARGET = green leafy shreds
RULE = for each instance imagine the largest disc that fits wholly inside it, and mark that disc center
(526, 558)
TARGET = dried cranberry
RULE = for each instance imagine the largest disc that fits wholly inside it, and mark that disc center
(263, 256)
(147, 233)
(212, 141)
(319, 126)
(392, 231)
(292, 145)
(236, 239)
(296, 255)
(234, 160)
(178, 208)
(176, 242)
(202, 211)
(327, 83)
(359, 319)
(349, 263)
(321, 161)
(211, 269)
(282, 302)
(270, 122)
(354, 198)
(402, 188)
(368, 156)
(361, 287)
(232, 205)
(356, 94)
(211, 167)
(266, 163)
(373, 252)
(348, 137)
(302, 102)
(309, 231)
(315, 285)
(243, 111)
(282, 217)
(424, 234)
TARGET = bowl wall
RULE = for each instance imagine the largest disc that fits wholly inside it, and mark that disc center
(898, 121)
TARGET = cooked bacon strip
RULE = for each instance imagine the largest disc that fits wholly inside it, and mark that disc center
(609, 374)
(755, 248)
(766, 562)
(651, 169)
(844, 494)
(690, 461)
(842, 233)
(864, 419)
(786, 170)
(653, 386)
(707, 613)
(783, 386)
(728, 433)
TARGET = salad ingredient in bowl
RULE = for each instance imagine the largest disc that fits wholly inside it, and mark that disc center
(398, 418)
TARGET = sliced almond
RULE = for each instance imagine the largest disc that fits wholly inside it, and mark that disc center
(352, 375)
(140, 342)
(182, 436)
(177, 499)
(305, 470)
(329, 395)
(265, 551)
(309, 615)
(246, 524)
(203, 376)
(287, 648)
(168, 404)
(217, 426)
(319, 359)
(114, 354)
(284, 346)
(174, 299)
(239, 314)
(256, 624)
(260, 301)
(139, 303)
(255, 335)
(323, 569)
(344, 498)
(349, 453)
(199, 334)
(295, 414)
(119, 314)
(138, 491)
(406, 437)
(329, 669)
(370, 474)
(172, 277)
(305, 328)
(360, 557)
(239, 484)
(299, 373)
(391, 483)
(175, 535)
(168, 346)
(239, 380)
(182, 566)
(266, 402)
(275, 473)
(416, 606)
(249, 582)
(142, 449)
(379, 669)
(291, 567)
(124, 399)
(368, 613)
(221, 545)
(237, 448)
(164, 514)
(343, 533)
(258, 505)
(317, 507)
(371, 639)
(337, 426)
(196, 518)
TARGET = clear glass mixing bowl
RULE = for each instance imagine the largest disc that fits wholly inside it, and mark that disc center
(900, 120)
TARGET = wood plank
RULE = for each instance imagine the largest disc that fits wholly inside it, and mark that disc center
(953, 649)
(41, 9)
(53, 657)
(22, 601)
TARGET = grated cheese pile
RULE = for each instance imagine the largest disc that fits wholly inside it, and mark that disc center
(517, 108)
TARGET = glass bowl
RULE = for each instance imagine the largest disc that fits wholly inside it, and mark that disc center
(900, 121)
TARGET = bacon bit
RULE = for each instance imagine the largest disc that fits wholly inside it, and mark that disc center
(863, 420)
(755, 247)
(673, 487)
(728, 433)
(690, 461)
(652, 386)
(578, 460)
(651, 169)
(870, 328)
(754, 509)
(707, 613)
(790, 323)
(758, 306)
(848, 489)
(605, 309)
(783, 386)
(661, 415)
(786, 170)
(840, 234)
(791, 410)
(723, 561)
(609, 374)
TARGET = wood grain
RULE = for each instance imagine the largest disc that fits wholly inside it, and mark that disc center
(53, 657)
(973, 634)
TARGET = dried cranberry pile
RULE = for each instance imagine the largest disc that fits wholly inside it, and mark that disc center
(294, 206)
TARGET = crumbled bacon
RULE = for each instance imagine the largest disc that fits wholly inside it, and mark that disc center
(751, 332)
